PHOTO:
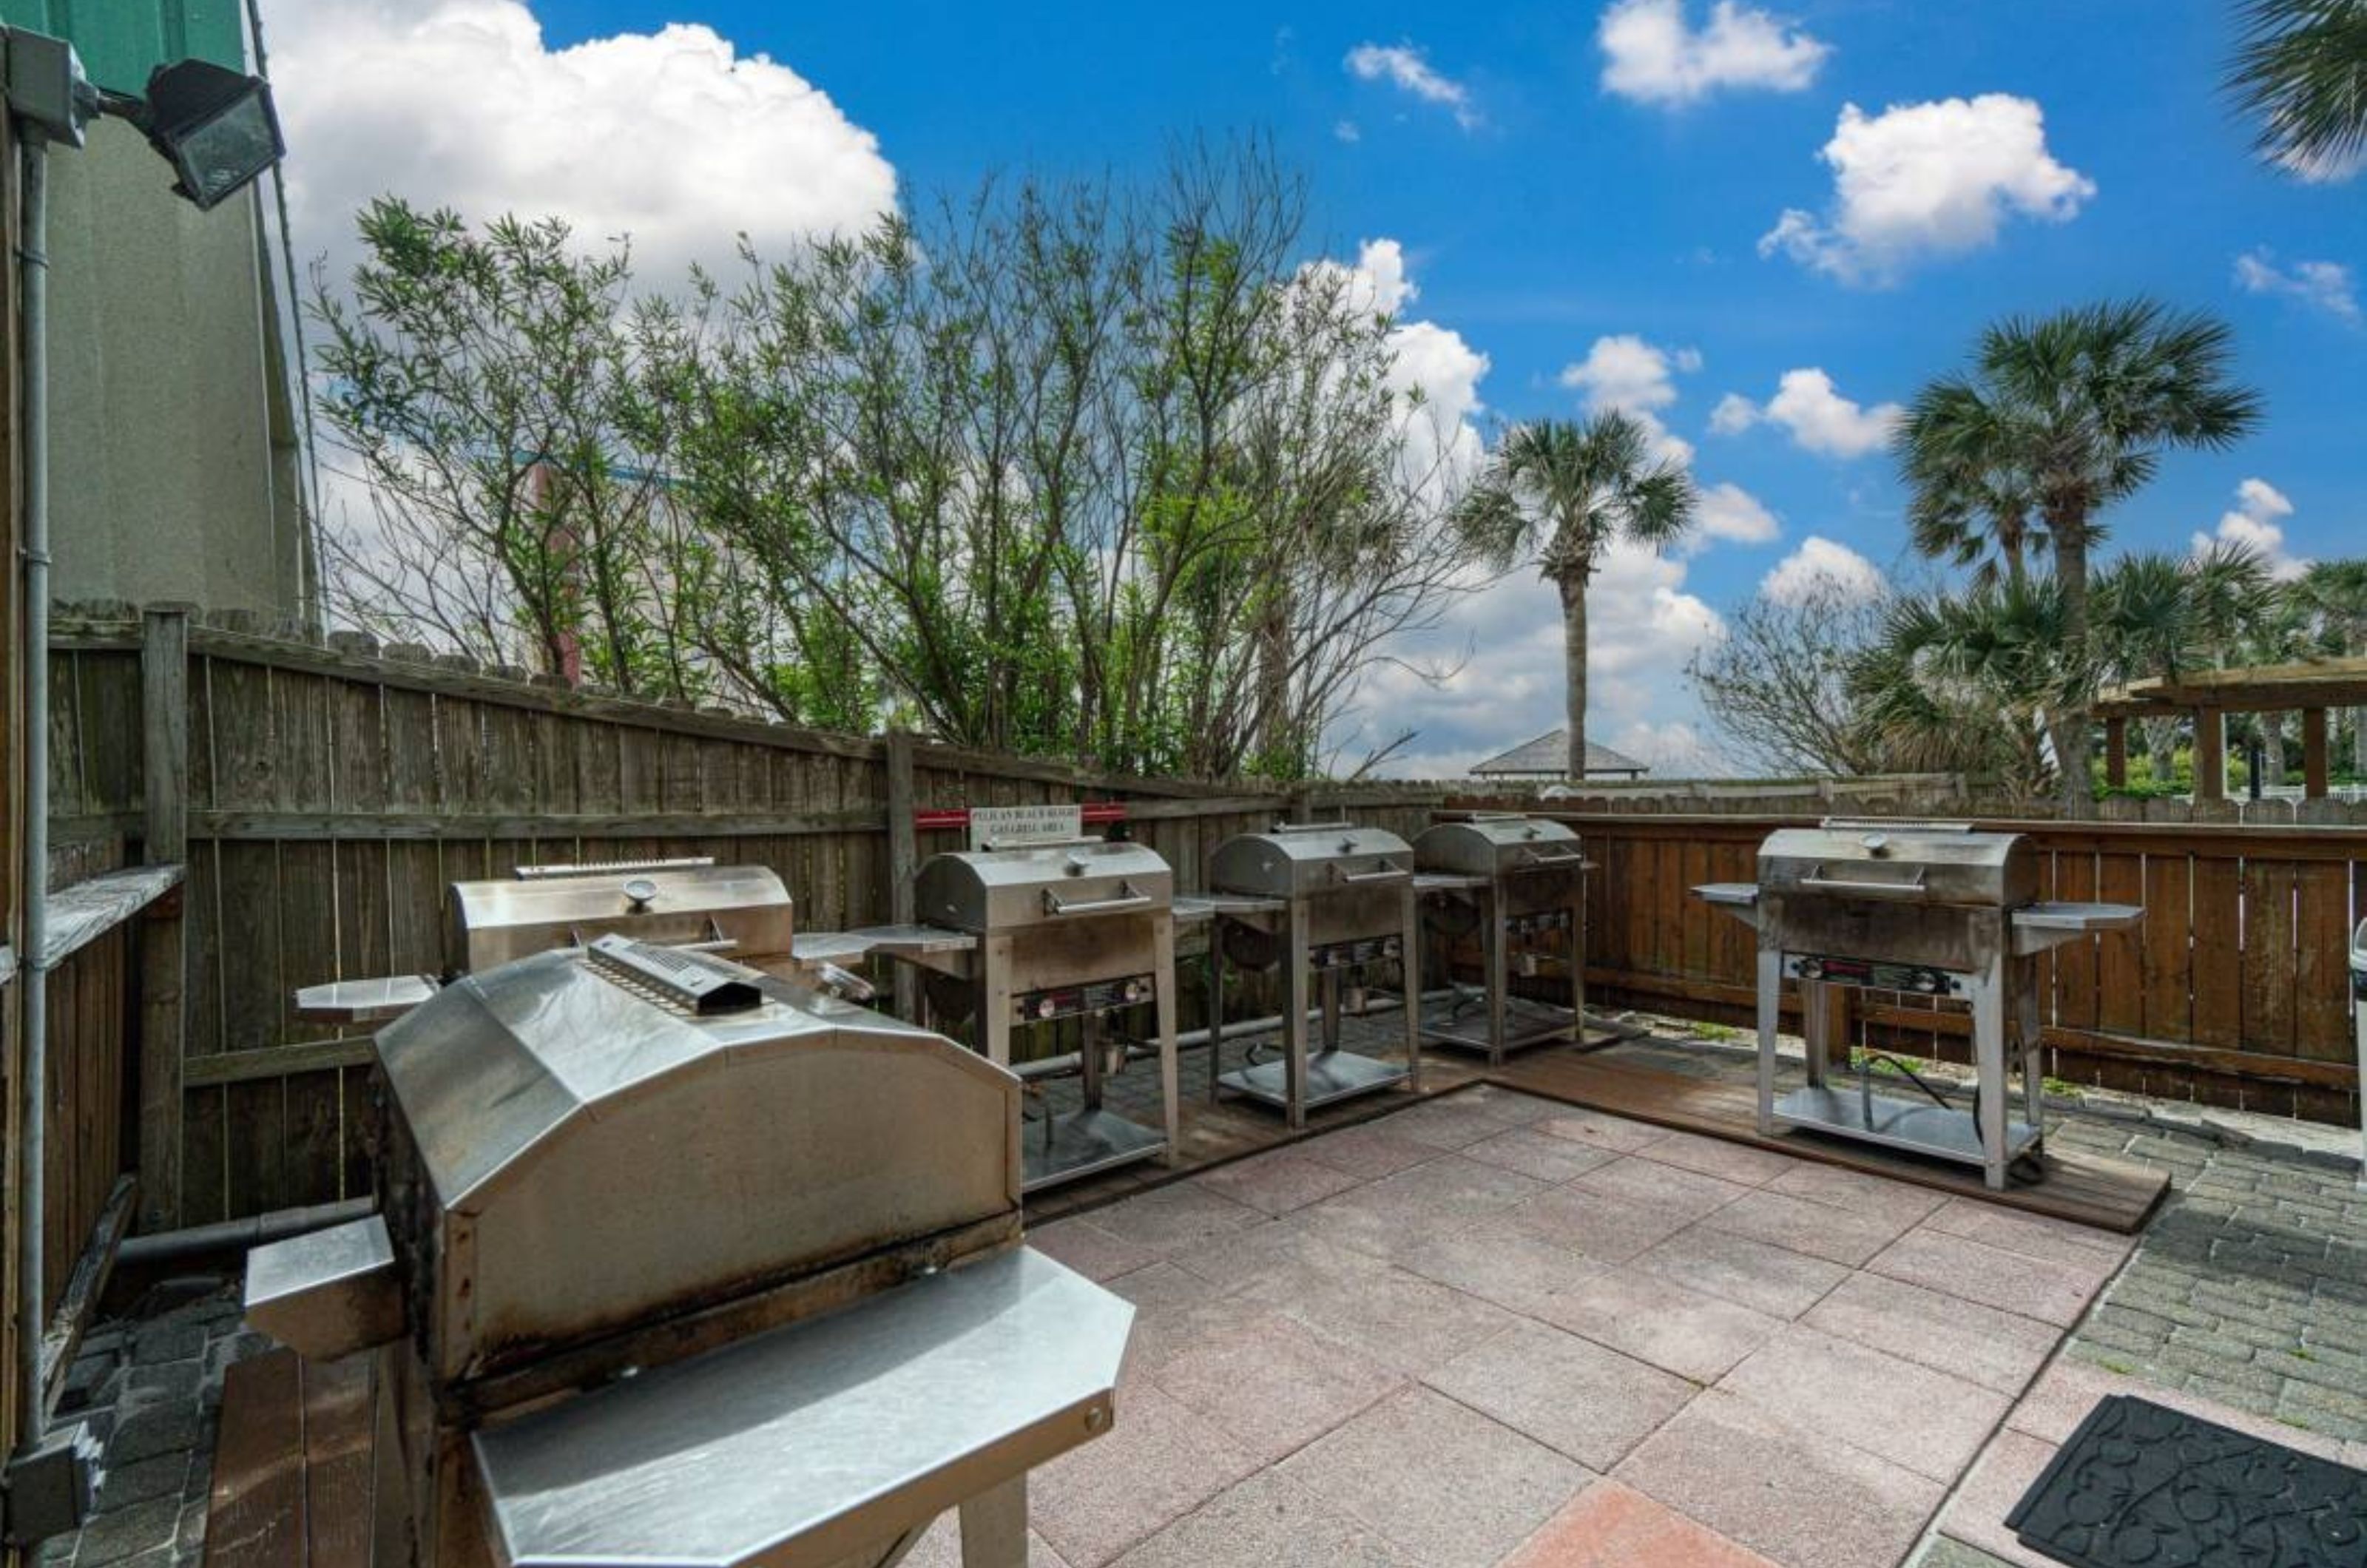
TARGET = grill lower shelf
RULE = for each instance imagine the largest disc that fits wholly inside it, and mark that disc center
(1461, 1023)
(1081, 1143)
(1330, 1074)
(1898, 1124)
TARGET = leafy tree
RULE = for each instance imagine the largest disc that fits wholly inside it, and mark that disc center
(1779, 684)
(1970, 500)
(2082, 404)
(2300, 73)
(488, 391)
(1560, 494)
(2336, 593)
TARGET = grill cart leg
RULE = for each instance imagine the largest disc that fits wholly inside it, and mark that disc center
(1410, 948)
(1816, 1027)
(2034, 1057)
(1162, 978)
(1770, 1002)
(1988, 1058)
(1578, 959)
(994, 1526)
(1215, 1003)
(1294, 1027)
(1493, 926)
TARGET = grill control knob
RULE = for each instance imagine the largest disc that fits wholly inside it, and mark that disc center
(1045, 1009)
(638, 892)
(1926, 981)
(1876, 843)
(1811, 968)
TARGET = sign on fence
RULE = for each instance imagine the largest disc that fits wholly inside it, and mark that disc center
(1008, 826)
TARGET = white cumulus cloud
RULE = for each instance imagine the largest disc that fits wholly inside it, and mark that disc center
(1405, 67)
(1652, 54)
(1926, 180)
(2256, 523)
(1435, 373)
(1821, 565)
(1731, 512)
(1624, 372)
(670, 136)
(1812, 409)
(2325, 285)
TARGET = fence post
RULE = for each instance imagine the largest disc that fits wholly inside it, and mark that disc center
(164, 932)
(903, 860)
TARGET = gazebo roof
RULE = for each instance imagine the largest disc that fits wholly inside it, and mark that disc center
(1548, 756)
(2259, 688)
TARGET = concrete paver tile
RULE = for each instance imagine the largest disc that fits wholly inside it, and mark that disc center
(1453, 1488)
(1684, 1195)
(1089, 1249)
(1768, 1278)
(1167, 1220)
(1602, 1129)
(1267, 1521)
(1277, 1181)
(1955, 1266)
(1675, 1328)
(1931, 1423)
(1272, 1384)
(1799, 1224)
(1397, 1319)
(1610, 1526)
(1155, 1464)
(2032, 1236)
(1499, 1261)
(1780, 1489)
(1608, 1229)
(1999, 1350)
(941, 1547)
(1902, 1202)
(1976, 1514)
(1720, 1157)
(1569, 1393)
(1540, 1155)
(1509, 1106)
(1369, 1151)
(1445, 1122)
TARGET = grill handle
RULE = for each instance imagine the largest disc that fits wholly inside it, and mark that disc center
(1538, 857)
(1127, 898)
(1384, 872)
(713, 944)
(1878, 889)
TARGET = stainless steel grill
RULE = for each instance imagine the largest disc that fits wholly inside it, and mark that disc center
(1520, 883)
(1022, 937)
(1326, 901)
(678, 1261)
(1933, 908)
(741, 910)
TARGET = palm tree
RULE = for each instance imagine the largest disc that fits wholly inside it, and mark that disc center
(1559, 494)
(1970, 497)
(2082, 405)
(2301, 74)
(2337, 591)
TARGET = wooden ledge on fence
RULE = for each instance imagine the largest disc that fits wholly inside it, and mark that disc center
(80, 915)
(2113, 1194)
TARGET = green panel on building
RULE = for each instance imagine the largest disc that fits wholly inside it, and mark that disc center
(121, 40)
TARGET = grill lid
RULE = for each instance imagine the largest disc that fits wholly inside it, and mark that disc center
(1297, 859)
(1493, 844)
(980, 890)
(1915, 862)
(744, 906)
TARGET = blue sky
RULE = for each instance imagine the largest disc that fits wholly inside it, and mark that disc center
(1538, 211)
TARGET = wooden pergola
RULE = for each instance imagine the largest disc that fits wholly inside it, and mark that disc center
(2209, 696)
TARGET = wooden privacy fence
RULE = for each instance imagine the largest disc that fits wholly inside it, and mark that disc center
(331, 795)
(2233, 991)
(324, 797)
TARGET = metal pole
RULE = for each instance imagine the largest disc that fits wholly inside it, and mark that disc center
(33, 284)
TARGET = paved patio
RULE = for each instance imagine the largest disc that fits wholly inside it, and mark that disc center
(1495, 1329)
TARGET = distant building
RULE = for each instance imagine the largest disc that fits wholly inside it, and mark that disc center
(179, 458)
(1547, 757)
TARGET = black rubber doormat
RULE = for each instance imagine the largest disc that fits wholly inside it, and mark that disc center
(2139, 1483)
